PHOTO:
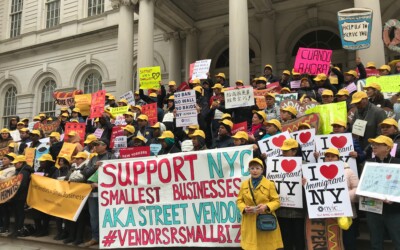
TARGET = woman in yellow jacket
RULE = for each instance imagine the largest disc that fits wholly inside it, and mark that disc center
(267, 200)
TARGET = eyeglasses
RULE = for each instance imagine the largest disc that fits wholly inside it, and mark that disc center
(254, 168)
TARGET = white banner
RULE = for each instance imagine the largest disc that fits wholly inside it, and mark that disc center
(201, 68)
(129, 97)
(286, 173)
(306, 140)
(239, 97)
(185, 105)
(271, 146)
(343, 142)
(326, 190)
(182, 200)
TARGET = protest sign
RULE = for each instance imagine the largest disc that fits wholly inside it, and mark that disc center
(274, 87)
(285, 172)
(134, 152)
(306, 140)
(120, 142)
(116, 131)
(201, 68)
(239, 127)
(30, 156)
(326, 190)
(185, 105)
(62, 199)
(146, 202)
(343, 142)
(312, 119)
(389, 83)
(151, 111)
(313, 61)
(295, 84)
(47, 128)
(119, 120)
(351, 87)
(150, 77)
(191, 67)
(328, 113)
(15, 135)
(83, 102)
(97, 104)
(323, 234)
(42, 149)
(66, 99)
(98, 132)
(118, 111)
(129, 97)
(67, 149)
(78, 128)
(239, 97)
(281, 97)
(260, 99)
(272, 145)
(370, 205)
(380, 181)
(355, 26)
(155, 148)
(370, 72)
(9, 187)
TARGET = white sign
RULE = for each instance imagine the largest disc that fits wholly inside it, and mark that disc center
(351, 87)
(343, 142)
(295, 84)
(185, 105)
(98, 132)
(326, 190)
(15, 135)
(239, 97)
(120, 121)
(271, 146)
(380, 181)
(371, 205)
(120, 142)
(286, 173)
(129, 97)
(355, 32)
(306, 140)
(201, 68)
(359, 127)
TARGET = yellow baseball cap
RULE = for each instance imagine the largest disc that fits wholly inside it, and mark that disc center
(382, 140)
(198, 132)
(198, 89)
(111, 97)
(390, 121)
(19, 158)
(226, 116)
(20, 123)
(196, 81)
(143, 117)
(239, 81)
(358, 96)
(171, 98)
(285, 89)
(370, 65)
(290, 109)
(295, 73)
(167, 134)
(327, 92)
(343, 92)
(227, 122)
(262, 79)
(305, 124)
(153, 95)
(317, 78)
(46, 157)
(340, 123)
(55, 135)
(286, 72)
(241, 135)
(72, 133)
(193, 127)
(24, 130)
(90, 138)
(217, 86)
(129, 113)
(129, 128)
(269, 94)
(373, 86)
(77, 110)
(42, 115)
(140, 137)
(276, 123)
(123, 100)
(4, 130)
(137, 107)
(171, 83)
(35, 132)
(268, 66)
(257, 161)
(385, 67)
(12, 144)
(289, 144)
(261, 113)
(82, 155)
(351, 72)
(222, 75)
(64, 115)
(334, 151)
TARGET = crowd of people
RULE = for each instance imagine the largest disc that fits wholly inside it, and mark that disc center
(214, 130)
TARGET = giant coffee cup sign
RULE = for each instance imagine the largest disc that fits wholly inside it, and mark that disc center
(355, 26)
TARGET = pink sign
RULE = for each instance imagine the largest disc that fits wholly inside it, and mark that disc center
(191, 68)
(313, 61)
(370, 72)
(239, 127)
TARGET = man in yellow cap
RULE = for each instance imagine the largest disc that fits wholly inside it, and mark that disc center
(167, 140)
(272, 110)
(268, 74)
(288, 114)
(376, 97)
(261, 83)
(343, 96)
(327, 96)
(138, 100)
(221, 79)
(171, 90)
(224, 139)
(322, 83)
(384, 70)
(390, 128)
(284, 82)
(367, 118)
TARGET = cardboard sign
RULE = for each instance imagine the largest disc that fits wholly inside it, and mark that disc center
(40, 150)
(67, 149)
(151, 111)
(312, 119)
(66, 99)
(30, 156)
(380, 181)
(83, 102)
(272, 145)
(15, 135)
(134, 152)
(119, 111)
(306, 140)
(328, 113)
(116, 131)
(313, 61)
(150, 77)
(9, 187)
(355, 26)
(239, 127)
(323, 234)
(185, 105)
(285, 172)
(151, 196)
(97, 104)
(326, 190)
(62, 199)
(295, 84)
(129, 97)
(79, 128)
(98, 132)
(388, 83)
(343, 142)
(201, 68)
(239, 97)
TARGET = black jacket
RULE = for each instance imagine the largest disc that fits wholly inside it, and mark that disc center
(26, 172)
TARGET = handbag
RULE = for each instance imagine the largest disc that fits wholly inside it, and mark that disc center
(264, 222)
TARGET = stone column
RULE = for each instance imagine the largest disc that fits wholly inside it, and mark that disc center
(239, 67)
(268, 45)
(175, 55)
(145, 34)
(125, 46)
(375, 53)
(191, 53)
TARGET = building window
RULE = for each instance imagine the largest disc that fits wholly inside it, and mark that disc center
(53, 13)
(10, 105)
(47, 104)
(223, 59)
(95, 7)
(92, 83)
(318, 39)
(16, 17)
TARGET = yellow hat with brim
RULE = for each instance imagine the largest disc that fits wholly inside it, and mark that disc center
(239, 82)
(227, 122)
(171, 98)
(262, 114)
(289, 144)
(46, 157)
(140, 137)
(129, 113)
(171, 83)
(12, 144)
(25, 119)
(340, 123)
(24, 130)
(304, 124)
(42, 115)
(382, 139)
(4, 131)
(64, 115)
(268, 66)
(317, 79)
(167, 134)
(370, 65)
(129, 128)
(343, 92)
(222, 75)
(295, 73)
(82, 155)
(21, 123)
(270, 95)
(385, 67)
(374, 86)
(262, 79)
(55, 135)
(241, 135)
(226, 116)
(276, 123)
(90, 138)
(352, 73)
(65, 157)
(390, 121)
(196, 81)
(285, 89)
(76, 110)
(111, 97)
(217, 86)
(153, 95)
(35, 132)
(72, 133)
(193, 127)
(286, 72)
(123, 100)
(290, 109)
(256, 161)
(198, 133)
(358, 96)
(143, 117)
(137, 107)
(198, 89)
(327, 92)
(19, 158)
(333, 151)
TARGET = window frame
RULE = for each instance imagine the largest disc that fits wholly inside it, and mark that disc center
(55, 13)
(95, 7)
(7, 115)
(16, 17)
(90, 88)
(51, 84)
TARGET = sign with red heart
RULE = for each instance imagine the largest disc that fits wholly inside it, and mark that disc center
(329, 172)
(288, 165)
(271, 146)
(339, 141)
(278, 141)
(306, 140)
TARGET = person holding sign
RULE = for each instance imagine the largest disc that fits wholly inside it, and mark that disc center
(390, 217)
(266, 200)
(390, 128)
(376, 97)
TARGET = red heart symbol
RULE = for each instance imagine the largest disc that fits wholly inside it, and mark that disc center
(304, 137)
(339, 142)
(278, 141)
(329, 172)
(388, 176)
(288, 165)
